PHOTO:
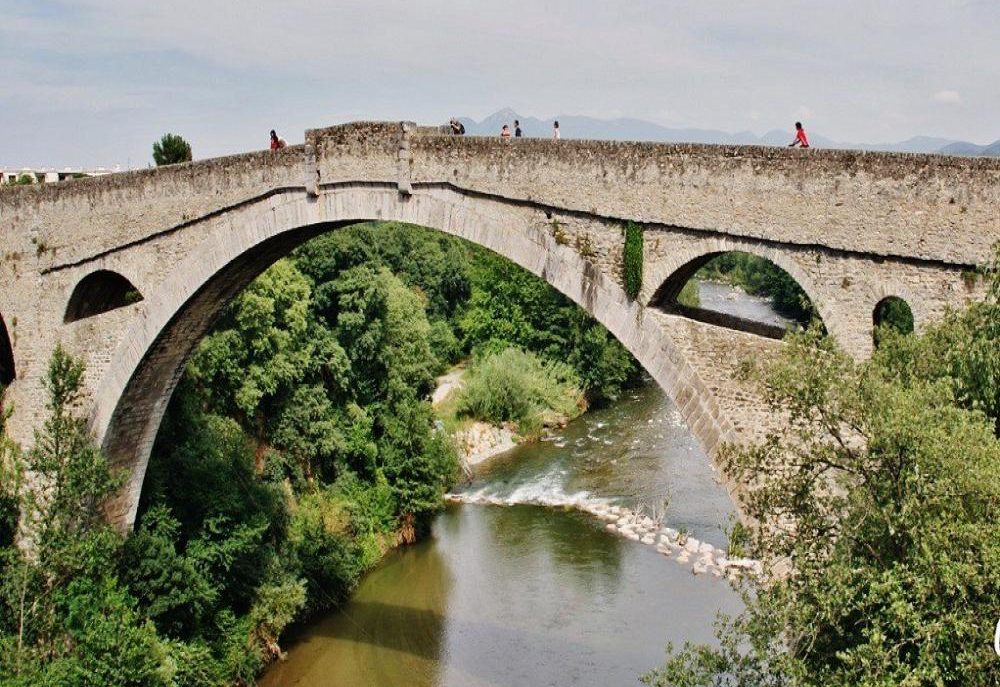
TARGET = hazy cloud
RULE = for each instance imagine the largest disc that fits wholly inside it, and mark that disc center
(96, 81)
(950, 97)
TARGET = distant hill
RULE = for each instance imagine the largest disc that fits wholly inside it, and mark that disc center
(626, 129)
(966, 148)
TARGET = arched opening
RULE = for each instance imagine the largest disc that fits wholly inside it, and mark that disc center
(100, 292)
(149, 361)
(894, 314)
(737, 290)
(7, 372)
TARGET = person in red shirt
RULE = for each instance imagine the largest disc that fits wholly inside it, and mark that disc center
(277, 143)
(800, 137)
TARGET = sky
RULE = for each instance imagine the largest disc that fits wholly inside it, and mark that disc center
(95, 82)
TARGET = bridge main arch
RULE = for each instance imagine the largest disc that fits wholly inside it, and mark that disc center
(241, 243)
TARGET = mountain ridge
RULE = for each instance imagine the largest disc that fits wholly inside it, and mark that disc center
(632, 129)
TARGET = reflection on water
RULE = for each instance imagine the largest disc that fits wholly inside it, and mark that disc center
(390, 633)
(532, 596)
(509, 596)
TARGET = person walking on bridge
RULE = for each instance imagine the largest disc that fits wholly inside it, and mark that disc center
(800, 137)
(277, 142)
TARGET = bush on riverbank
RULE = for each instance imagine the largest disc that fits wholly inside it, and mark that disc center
(516, 386)
(887, 484)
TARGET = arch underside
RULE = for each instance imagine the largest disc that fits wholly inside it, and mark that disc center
(7, 371)
(148, 363)
(100, 292)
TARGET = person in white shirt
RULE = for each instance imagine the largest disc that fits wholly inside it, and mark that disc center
(555, 131)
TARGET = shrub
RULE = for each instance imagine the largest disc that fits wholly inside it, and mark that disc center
(517, 386)
(690, 295)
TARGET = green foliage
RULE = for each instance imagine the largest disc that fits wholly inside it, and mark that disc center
(761, 277)
(170, 150)
(517, 386)
(11, 476)
(432, 264)
(65, 619)
(632, 259)
(689, 294)
(264, 348)
(444, 344)
(962, 351)
(510, 307)
(884, 494)
(892, 314)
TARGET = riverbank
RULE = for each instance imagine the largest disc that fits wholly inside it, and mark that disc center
(475, 440)
(543, 579)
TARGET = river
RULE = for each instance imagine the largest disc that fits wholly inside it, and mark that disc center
(530, 595)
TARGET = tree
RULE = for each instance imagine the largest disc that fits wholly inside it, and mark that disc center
(64, 618)
(881, 504)
(961, 350)
(510, 306)
(170, 150)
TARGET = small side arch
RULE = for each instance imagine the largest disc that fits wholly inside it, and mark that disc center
(894, 312)
(7, 372)
(100, 292)
(668, 294)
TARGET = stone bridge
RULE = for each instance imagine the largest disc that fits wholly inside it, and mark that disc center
(130, 270)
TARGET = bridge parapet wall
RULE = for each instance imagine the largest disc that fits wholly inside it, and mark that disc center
(73, 220)
(921, 206)
(851, 228)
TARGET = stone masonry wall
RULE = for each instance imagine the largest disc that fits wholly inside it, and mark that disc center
(851, 228)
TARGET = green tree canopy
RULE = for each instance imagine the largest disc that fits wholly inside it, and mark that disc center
(881, 509)
(170, 150)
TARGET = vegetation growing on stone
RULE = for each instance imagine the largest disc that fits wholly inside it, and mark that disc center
(632, 260)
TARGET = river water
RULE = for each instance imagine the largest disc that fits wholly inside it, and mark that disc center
(530, 595)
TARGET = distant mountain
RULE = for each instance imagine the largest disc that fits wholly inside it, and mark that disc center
(626, 129)
(917, 144)
(966, 148)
